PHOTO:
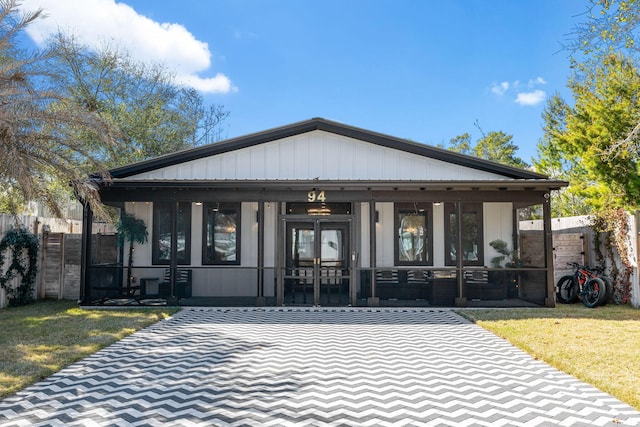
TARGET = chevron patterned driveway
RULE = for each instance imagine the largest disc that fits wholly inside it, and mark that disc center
(313, 367)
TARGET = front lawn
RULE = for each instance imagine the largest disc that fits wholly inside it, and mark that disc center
(40, 339)
(600, 346)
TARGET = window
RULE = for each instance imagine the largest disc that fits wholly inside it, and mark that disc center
(413, 242)
(336, 208)
(221, 230)
(472, 244)
(163, 214)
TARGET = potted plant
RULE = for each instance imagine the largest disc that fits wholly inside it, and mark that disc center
(512, 261)
(502, 248)
(133, 230)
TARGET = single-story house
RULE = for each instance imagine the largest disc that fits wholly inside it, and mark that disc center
(322, 213)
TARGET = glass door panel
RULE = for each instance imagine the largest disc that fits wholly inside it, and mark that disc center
(334, 264)
(317, 263)
(300, 264)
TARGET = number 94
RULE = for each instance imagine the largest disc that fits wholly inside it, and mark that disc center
(316, 196)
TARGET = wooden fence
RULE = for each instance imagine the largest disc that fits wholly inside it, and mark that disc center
(59, 273)
(60, 253)
(573, 241)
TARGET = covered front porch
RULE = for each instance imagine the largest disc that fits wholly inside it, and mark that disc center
(368, 243)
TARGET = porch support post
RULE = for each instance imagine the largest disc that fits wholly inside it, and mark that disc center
(373, 301)
(173, 257)
(260, 300)
(85, 254)
(280, 244)
(550, 300)
(461, 301)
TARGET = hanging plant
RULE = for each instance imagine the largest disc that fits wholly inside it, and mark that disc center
(23, 246)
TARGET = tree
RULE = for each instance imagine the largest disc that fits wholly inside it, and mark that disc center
(599, 136)
(611, 26)
(461, 144)
(496, 146)
(499, 147)
(38, 126)
(585, 138)
(154, 116)
(68, 111)
(608, 42)
(551, 161)
(606, 108)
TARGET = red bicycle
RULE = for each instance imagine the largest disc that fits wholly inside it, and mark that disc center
(585, 284)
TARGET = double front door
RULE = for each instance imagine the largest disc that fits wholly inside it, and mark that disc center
(317, 263)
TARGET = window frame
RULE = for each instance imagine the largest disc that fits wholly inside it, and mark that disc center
(174, 208)
(425, 209)
(237, 207)
(451, 208)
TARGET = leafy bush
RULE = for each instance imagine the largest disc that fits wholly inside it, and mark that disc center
(24, 258)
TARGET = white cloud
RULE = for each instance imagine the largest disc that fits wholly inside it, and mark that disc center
(537, 81)
(218, 84)
(531, 98)
(241, 35)
(500, 89)
(94, 22)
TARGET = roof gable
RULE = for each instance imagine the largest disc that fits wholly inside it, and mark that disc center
(410, 160)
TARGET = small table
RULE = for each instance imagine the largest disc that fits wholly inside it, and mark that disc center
(143, 285)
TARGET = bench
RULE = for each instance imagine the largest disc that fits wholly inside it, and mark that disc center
(403, 284)
(183, 285)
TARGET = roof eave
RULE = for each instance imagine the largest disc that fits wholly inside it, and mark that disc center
(484, 185)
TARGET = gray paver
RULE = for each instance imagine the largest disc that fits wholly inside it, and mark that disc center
(313, 366)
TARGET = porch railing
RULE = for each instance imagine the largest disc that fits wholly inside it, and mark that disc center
(234, 285)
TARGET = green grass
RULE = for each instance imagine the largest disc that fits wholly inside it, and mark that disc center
(40, 339)
(600, 346)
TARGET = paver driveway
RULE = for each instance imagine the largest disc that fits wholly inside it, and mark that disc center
(315, 366)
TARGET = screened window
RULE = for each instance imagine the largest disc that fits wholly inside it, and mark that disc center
(472, 232)
(413, 242)
(222, 233)
(163, 214)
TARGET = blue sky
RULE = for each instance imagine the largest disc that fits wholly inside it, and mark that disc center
(417, 69)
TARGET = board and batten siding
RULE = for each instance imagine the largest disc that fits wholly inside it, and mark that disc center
(317, 154)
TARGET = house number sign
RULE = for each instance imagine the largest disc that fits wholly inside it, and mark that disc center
(316, 196)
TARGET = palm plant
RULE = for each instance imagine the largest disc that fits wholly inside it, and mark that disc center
(38, 125)
(133, 230)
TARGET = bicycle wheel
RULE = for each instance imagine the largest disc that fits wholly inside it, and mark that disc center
(567, 290)
(609, 293)
(593, 292)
